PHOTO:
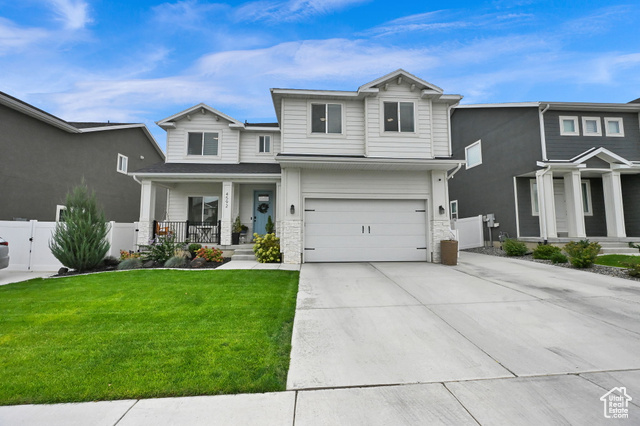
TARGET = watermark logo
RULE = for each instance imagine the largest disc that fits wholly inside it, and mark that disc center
(616, 403)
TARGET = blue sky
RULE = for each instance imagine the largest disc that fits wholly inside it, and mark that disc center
(124, 61)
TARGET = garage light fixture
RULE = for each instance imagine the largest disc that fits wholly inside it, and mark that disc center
(292, 209)
(441, 209)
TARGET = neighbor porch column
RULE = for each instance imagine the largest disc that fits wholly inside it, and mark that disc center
(147, 211)
(575, 209)
(613, 204)
(546, 204)
(227, 213)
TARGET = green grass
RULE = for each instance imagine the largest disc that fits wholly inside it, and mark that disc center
(144, 334)
(614, 260)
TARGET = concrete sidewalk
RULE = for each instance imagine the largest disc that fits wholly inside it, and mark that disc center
(8, 277)
(490, 341)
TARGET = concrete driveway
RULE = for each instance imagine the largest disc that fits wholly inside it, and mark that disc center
(490, 341)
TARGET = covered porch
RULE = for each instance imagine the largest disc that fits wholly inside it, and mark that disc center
(203, 207)
(593, 195)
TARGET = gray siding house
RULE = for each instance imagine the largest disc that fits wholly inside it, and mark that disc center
(42, 157)
(549, 171)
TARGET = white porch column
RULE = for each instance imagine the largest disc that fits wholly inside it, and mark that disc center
(575, 209)
(291, 237)
(279, 209)
(546, 204)
(440, 223)
(613, 204)
(147, 211)
(227, 213)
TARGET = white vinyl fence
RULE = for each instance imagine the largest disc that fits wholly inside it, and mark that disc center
(470, 232)
(29, 243)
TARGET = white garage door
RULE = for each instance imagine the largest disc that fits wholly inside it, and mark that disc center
(365, 230)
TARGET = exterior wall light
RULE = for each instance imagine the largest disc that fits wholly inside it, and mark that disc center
(292, 209)
(441, 209)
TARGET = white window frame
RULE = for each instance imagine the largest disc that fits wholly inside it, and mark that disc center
(415, 121)
(218, 197)
(326, 133)
(587, 208)
(598, 131)
(575, 125)
(122, 160)
(59, 209)
(451, 210)
(620, 122)
(260, 144)
(218, 155)
(466, 154)
(533, 192)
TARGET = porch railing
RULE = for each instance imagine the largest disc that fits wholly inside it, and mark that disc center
(194, 232)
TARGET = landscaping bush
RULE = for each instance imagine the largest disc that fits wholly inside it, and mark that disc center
(210, 254)
(633, 267)
(583, 253)
(269, 227)
(558, 257)
(161, 249)
(124, 255)
(176, 262)
(545, 251)
(80, 241)
(132, 263)
(110, 261)
(193, 248)
(514, 247)
(267, 248)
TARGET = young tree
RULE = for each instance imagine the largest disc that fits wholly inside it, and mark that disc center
(79, 242)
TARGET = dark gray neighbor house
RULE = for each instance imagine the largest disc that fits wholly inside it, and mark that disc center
(549, 171)
(42, 157)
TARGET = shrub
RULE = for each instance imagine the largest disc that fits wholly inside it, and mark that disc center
(110, 261)
(124, 255)
(176, 262)
(80, 241)
(545, 251)
(558, 257)
(161, 249)
(193, 248)
(267, 248)
(633, 267)
(269, 227)
(633, 245)
(514, 247)
(210, 254)
(582, 254)
(132, 263)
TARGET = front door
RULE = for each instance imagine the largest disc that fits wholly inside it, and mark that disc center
(262, 209)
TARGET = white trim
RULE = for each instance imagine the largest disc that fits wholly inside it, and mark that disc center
(587, 208)
(168, 122)
(125, 162)
(326, 133)
(466, 156)
(270, 151)
(598, 131)
(620, 122)
(59, 209)
(399, 73)
(534, 200)
(457, 213)
(515, 195)
(198, 156)
(563, 118)
(543, 136)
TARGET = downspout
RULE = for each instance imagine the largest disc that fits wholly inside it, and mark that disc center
(455, 171)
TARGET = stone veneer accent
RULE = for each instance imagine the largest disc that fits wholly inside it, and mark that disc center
(144, 233)
(439, 231)
(225, 233)
(291, 241)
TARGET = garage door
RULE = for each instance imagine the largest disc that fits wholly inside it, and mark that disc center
(365, 230)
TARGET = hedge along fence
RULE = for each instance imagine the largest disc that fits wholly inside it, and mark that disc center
(29, 243)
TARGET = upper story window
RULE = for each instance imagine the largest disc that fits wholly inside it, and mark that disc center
(326, 118)
(473, 154)
(123, 163)
(613, 126)
(264, 144)
(398, 117)
(203, 144)
(569, 126)
(591, 126)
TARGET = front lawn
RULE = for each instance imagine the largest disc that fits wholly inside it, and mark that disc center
(616, 260)
(145, 334)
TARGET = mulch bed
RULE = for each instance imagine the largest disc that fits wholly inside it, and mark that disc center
(106, 268)
(610, 271)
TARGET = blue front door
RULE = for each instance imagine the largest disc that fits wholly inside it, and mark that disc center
(262, 209)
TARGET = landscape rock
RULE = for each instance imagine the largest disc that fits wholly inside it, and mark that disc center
(198, 262)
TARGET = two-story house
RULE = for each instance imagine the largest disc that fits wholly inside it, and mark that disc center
(345, 175)
(549, 171)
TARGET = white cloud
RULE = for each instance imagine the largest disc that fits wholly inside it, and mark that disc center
(14, 37)
(291, 10)
(189, 14)
(73, 13)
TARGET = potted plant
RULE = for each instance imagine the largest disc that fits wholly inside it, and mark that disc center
(269, 227)
(235, 231)
(449, 252)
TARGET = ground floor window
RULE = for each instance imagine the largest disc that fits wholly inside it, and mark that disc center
(454, 209)
(203, 209)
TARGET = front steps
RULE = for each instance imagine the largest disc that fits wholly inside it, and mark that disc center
(617, 247)
(244, 252)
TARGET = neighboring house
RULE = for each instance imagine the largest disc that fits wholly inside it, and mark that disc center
(549, 171)
(345, 175)
(43, 157)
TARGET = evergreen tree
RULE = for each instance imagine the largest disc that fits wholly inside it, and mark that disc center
(79, 242)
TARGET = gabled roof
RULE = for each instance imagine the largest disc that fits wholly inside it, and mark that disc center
(402, 75)
(602, 153)
(201, 108)
(561, 106)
